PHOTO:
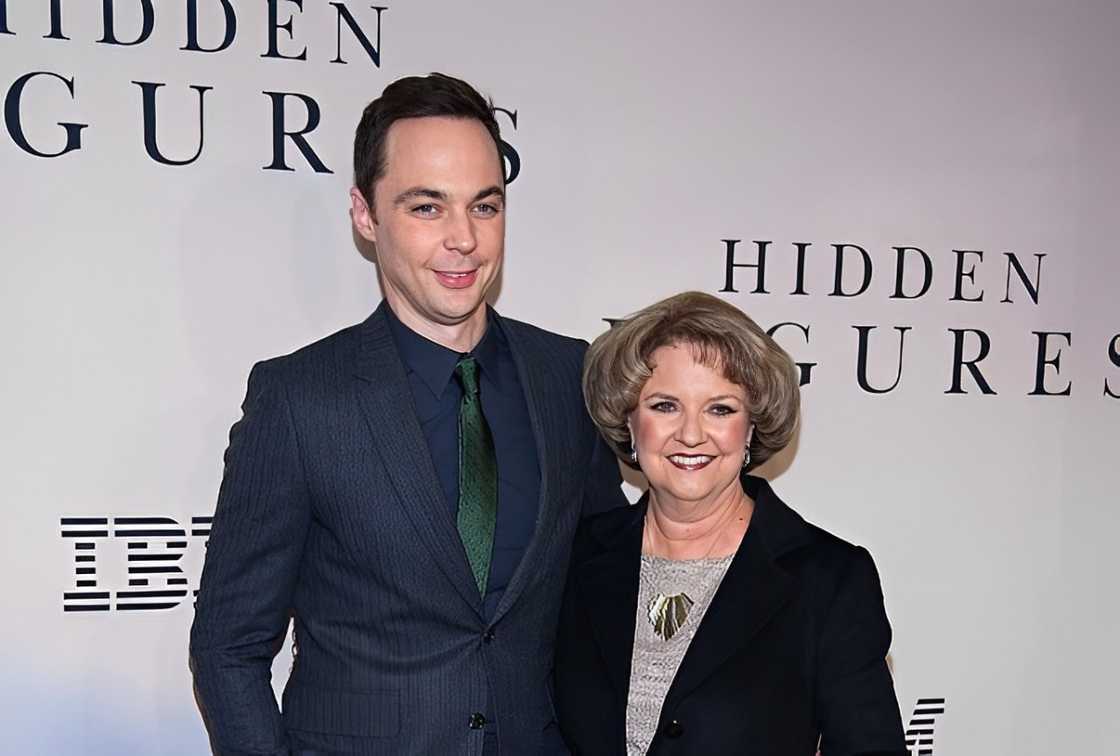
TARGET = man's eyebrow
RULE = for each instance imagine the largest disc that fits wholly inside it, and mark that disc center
(490, 191)
(418, 192)
(421, 192)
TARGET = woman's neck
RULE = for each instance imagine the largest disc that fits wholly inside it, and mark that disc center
(696, 530)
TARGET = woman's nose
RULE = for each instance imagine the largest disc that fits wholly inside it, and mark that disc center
(691, 430)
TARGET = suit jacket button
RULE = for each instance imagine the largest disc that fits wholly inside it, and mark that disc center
(477, 721)
(488, 636)
(674, 729)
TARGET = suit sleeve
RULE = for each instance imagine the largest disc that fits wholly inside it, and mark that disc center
(856, 704)
(252, 561)
(603, 489)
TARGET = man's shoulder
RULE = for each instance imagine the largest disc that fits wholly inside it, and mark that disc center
(528, 335)
(327, 355)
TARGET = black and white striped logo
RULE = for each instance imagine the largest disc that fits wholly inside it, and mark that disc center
(156, 546)
(919, 733)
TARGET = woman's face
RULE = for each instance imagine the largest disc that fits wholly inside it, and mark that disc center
(690, 428)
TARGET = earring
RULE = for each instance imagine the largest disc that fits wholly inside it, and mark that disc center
(747, 458)
(634, 454)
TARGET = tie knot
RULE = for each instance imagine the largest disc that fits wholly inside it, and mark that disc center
(467, 370)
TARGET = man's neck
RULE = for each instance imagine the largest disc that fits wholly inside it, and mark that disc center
(459, 337)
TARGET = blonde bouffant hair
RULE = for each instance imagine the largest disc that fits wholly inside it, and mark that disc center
(723, 337)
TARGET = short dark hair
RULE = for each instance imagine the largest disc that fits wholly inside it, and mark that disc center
(414, 97)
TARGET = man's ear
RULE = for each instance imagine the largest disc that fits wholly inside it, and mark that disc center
(362, 216)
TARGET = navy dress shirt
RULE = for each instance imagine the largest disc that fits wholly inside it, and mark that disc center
(430, 368)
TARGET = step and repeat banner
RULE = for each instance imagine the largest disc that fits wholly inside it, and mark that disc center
(918, 199)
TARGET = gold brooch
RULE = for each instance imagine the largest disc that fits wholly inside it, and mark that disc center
(668, 613)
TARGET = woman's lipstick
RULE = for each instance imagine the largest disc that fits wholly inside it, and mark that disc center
(690, 462)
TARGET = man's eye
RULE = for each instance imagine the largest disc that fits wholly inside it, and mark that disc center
(425, 209)
(486, 210)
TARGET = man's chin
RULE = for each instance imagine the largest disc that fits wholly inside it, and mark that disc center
(457, 313)
(458, 305)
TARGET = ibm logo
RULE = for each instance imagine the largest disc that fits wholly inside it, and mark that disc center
(155, 547)
(919, 733)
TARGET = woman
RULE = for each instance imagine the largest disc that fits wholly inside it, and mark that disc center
(710, 618)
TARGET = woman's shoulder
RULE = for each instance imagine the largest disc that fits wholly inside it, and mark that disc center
(834, 573)
(805, 549)
(607, 531)
(830, 550)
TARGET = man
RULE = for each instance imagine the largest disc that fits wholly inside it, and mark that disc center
(406, 489)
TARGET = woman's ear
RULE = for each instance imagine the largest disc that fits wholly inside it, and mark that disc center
(633, 441)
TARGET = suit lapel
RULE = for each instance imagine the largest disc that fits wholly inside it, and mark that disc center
(751, 593)
(386, 402)
(532, 371)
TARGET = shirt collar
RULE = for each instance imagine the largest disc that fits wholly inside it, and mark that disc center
(492, 352)
(435, 363)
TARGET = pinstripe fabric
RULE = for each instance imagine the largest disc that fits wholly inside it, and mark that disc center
(330, 512)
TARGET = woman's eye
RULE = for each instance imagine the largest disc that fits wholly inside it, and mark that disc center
(722, 409)
(663, 407)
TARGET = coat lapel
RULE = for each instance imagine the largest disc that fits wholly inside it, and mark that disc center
(532, 371)
(386, 402)
(608, 585)
(751, 593)
(754, 589)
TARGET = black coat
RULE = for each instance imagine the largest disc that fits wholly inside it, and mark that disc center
(791, 650)
(330, 510)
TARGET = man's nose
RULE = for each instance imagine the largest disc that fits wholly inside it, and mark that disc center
(461, 236)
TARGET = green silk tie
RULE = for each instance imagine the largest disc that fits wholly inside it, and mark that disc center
(478, 476)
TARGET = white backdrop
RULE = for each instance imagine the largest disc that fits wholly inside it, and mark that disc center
(136, 295)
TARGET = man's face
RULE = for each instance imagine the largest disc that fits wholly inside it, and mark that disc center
(438, 220)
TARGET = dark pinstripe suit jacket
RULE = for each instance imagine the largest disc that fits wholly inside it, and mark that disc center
(330, 511)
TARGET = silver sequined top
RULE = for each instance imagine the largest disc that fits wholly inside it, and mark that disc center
(655, 661)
